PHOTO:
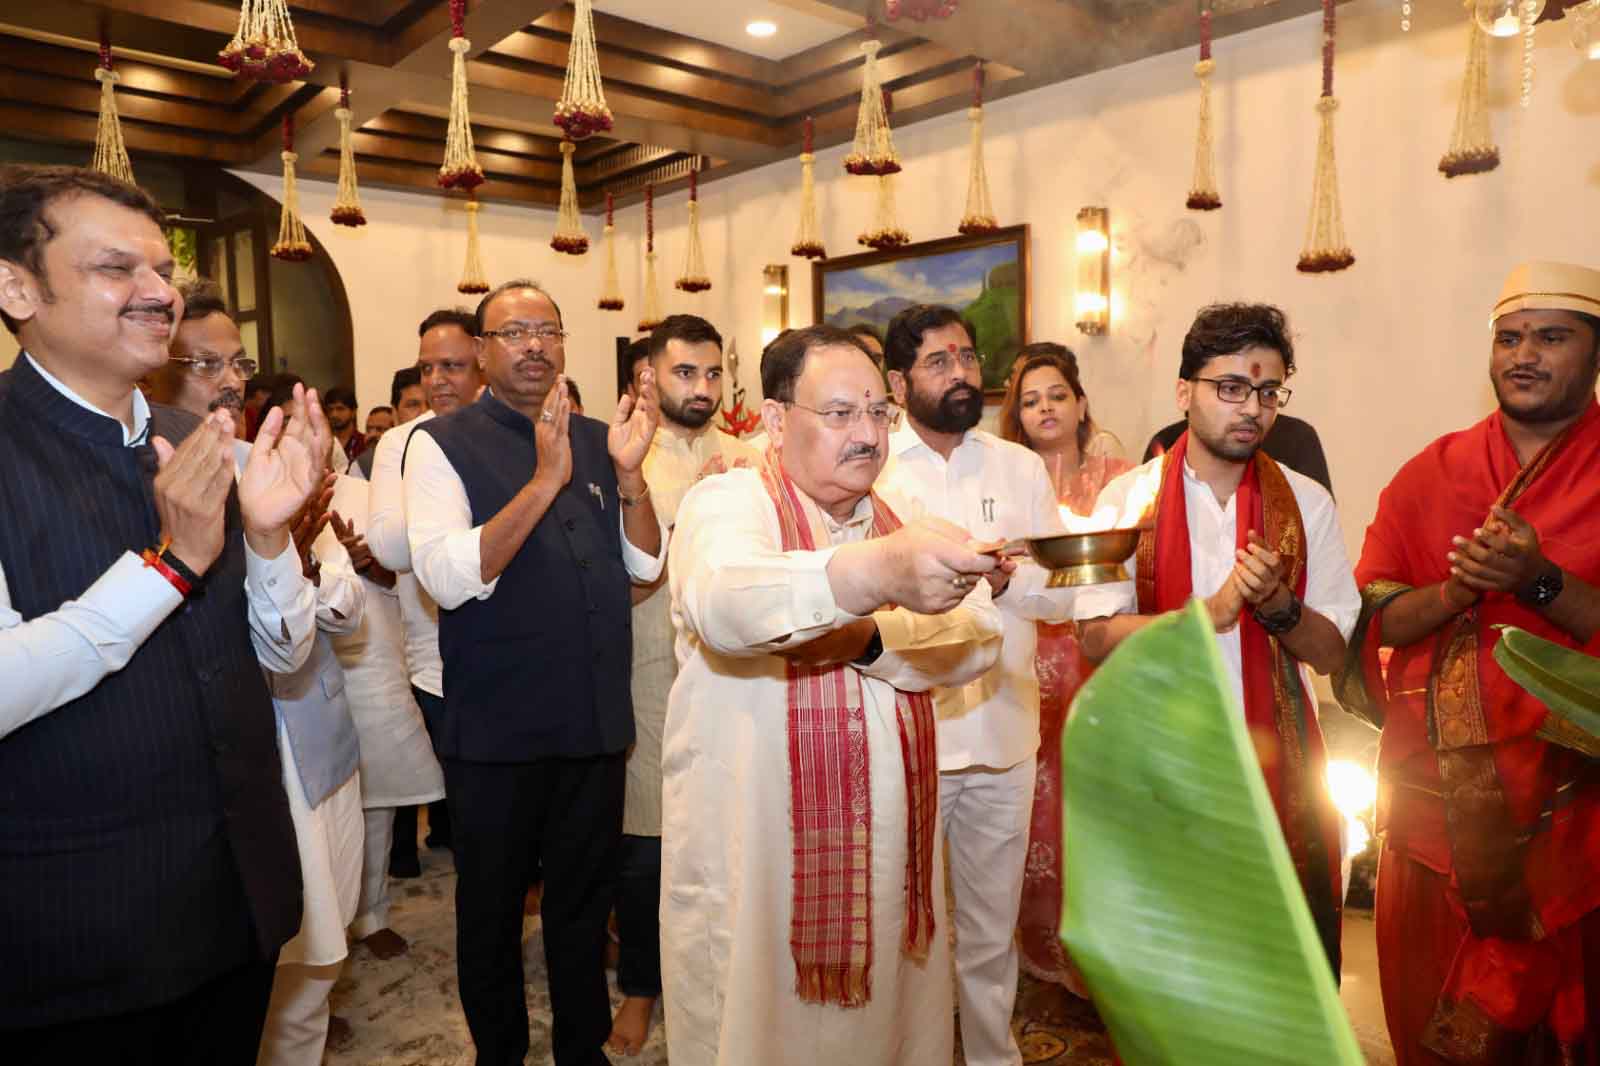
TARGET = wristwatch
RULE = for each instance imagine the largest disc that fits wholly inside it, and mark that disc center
(1282, 621)
(1542, 591)
(870, 653)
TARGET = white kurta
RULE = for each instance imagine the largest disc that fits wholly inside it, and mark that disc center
(1213, 538)
(398, 767)
(672, 467)
(727, 867)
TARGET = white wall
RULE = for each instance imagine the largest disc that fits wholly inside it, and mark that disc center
(1392, 352)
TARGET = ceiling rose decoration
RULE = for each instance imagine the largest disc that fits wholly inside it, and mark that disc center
(110, 151)
(293, 245)
(652, 288)
(979, 217)
(694, 278)
(1472, 149)
(474, 280)
(460, 169)
(611, 291)
(808, 241)
(569, 237)
(582, 112)
(1204, 194)
(1326, 248)
(347, 204)
(264, 47)
(873, 152)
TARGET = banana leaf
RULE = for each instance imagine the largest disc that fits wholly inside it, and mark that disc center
(1564, 680)
(1182, 908)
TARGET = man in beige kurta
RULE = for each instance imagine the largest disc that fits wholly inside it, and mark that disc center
(686, 353)
(744, 982)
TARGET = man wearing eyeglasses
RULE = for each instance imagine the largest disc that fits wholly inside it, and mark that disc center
(208, 365)
(1261, 544)
(988, 727)
(528, 526)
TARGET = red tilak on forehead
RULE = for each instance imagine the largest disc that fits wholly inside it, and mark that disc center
(1255, 370)
(952, 348)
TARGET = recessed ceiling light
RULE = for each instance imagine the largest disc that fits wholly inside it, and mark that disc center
(761, 28)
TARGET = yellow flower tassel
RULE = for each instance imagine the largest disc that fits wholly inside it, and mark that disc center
(473, 279)
(293, 244)
(110, 152)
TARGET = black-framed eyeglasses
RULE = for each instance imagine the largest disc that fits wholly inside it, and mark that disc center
(514, 336)
(843, 418)
(1237, 390)
(209, 366)
(941, 362)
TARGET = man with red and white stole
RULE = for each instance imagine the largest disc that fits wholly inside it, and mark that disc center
(1261, 544)
(1488, 909)
(802, 896)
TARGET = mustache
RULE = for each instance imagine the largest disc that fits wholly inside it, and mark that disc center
(229, 398)
(1528, 370)
(961, 391)
(539, 359)
(164, 310)
(859, 451)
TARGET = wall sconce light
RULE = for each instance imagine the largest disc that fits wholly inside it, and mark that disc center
(774, 302)
(1094, 271)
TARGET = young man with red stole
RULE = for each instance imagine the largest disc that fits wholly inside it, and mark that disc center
(1489, 881)
(1261, 544)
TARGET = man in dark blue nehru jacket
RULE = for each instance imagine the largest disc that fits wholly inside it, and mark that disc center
(148, 870)
(527, 524)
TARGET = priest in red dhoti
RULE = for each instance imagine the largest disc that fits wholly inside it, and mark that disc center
(1488, 910)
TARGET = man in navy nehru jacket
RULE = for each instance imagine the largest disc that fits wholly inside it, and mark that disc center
(527, 524)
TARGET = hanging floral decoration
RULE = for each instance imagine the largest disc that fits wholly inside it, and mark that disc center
(347, 204)
(1204, 194)
(110, 151)
(873, 152)
(569, 237)
(737, 421)
(808, 241)
(474, 280)
(582, 112)
(264, 46)
(979, 217)
(652, 289)
(293, 244)
(694, 278)
(921, 10)
(1528, 12)
(885, 232)
(460, 169)
(1405, 16)
(1326, 248)
(611, 291)
(1472, 148)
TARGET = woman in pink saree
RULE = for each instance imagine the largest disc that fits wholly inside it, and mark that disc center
(1045, 409)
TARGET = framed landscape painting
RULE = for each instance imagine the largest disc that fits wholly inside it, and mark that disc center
(983, 277)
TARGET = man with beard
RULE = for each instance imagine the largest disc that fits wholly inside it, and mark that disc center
(685, 353)
(1261, 544)
(528, 527)
(207, 366)
(448, 373)
(340, 403)
(1488, 904)
(988, 728)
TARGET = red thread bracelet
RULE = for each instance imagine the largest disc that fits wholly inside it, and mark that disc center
(152, 559)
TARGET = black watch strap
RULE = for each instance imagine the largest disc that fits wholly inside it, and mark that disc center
(1283, 621)
(196, 581)
(1543, 590)
(873, 650)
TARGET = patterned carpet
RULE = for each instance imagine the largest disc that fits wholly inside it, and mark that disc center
(406, 1011)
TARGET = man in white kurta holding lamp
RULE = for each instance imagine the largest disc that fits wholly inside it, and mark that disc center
(802, 903)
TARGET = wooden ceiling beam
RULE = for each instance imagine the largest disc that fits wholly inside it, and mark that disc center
(845, 85)
(406, 178)
(79, 65)
(618, 34)
(84, 97)
(623, 69)
(377, 146)
(432, 130)
(67, 127)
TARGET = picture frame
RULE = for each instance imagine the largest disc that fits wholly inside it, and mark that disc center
(985, 277)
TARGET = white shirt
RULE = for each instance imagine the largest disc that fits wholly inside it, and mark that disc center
(57, 657)
(386, 536)
(1213, 538)
(995, 490)
(445, 545)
